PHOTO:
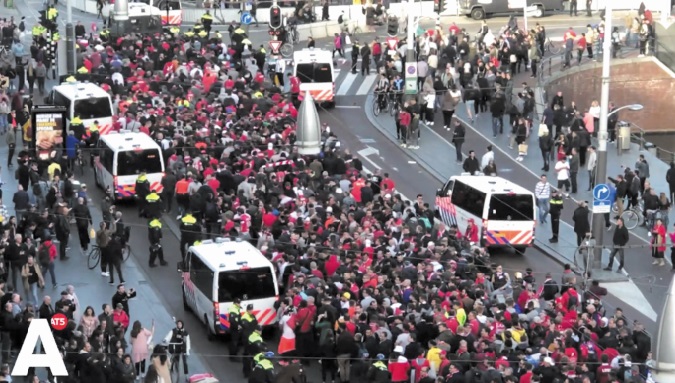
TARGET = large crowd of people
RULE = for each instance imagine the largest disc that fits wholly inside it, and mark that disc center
(375, 289)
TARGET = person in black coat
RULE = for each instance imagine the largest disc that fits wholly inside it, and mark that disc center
(471, 164)
(458, 136)
(581, 224)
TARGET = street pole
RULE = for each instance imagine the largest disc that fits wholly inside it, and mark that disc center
(410, 59)
(525, 16)
(71, 61)
(601, 167)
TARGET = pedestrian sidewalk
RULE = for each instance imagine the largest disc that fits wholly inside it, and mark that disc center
(91, 287)
(437, 157)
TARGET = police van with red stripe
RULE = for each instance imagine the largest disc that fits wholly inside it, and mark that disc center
(503, 212)
(124, 156)
(216, 272)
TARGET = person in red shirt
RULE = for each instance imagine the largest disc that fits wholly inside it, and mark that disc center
(659, 243)
(581, 47)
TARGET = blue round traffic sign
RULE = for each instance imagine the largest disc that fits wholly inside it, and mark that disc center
(246, 18)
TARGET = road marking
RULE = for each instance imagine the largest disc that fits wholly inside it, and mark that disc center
(367, 152)
(347, 107)
(367, 140)
(412, 162)
(346, 84)
(629, 292)
(367, 84)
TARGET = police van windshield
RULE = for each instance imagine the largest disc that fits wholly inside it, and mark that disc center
(511, 207)
(134, 162)
(91, 108)
(247, 284)
(314, 72)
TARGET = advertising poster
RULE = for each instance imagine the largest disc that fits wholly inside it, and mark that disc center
(48, 133)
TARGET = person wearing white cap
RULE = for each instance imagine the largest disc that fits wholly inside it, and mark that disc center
(547, 370)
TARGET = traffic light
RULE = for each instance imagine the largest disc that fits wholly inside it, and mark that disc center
(439, 5)
(392, 26)
(275, 17)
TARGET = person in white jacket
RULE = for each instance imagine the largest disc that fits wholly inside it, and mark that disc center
(178, 340)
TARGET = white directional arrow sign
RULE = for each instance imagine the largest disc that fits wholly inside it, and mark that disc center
(369, 151)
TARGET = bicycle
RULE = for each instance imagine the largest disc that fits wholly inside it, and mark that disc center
(94, 256)
(633, 216)
(583, 255)
(394, 105)
(551, 48)
(377, 108)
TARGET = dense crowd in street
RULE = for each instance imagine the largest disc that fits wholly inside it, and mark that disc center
(374, 288)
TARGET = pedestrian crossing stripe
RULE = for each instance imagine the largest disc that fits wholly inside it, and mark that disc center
(367, 83)
(346, 84)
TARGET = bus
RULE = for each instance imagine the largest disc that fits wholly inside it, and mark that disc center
(87, 100)
(216, 272)
(122, 157)
(314, 68)
(503, 211)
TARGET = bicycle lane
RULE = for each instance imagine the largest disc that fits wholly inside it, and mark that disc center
(91, 288)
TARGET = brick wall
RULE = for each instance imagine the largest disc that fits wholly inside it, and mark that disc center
(633, 81)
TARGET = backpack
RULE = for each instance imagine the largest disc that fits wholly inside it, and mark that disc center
(43, 254)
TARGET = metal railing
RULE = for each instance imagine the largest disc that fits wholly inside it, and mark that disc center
(664, 54)
(637, 136)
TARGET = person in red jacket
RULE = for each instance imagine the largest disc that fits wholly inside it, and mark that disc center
(399, 367)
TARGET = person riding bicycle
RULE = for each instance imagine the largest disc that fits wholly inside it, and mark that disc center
(381, 90)
(396, 88)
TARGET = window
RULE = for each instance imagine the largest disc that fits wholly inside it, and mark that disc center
(314, 72)
(134, 162)
(246, 284)
(511, 207)
(173, 5)
(60, 100)
(107, 156)
(447, 188)
(201, 276)
(92, 108)
(467, 198)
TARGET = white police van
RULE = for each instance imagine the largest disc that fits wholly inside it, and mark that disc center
(89, 101)
(122, 157)
(216, 272)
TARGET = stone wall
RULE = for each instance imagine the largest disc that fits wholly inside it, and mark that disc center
(633, 81)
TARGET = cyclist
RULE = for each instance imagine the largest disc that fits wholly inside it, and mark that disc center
(381, 90)
(396, 88)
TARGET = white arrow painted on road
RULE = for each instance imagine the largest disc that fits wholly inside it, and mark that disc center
(369, 151)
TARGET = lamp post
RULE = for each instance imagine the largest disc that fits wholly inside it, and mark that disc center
(598, 228)
(633, 107)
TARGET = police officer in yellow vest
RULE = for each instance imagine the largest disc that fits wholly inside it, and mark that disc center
(174, 31)
(218, 35)
(77, 126)
(263, 372)
(155, 238)
(142, 189)
(189, 33)
(56, 36)
(190, 232)
(234, 316)
(153, 205)
(83, 70)
(378, 372)
(254, 345)
(105, 34)
(203, 34)
(207, 21)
